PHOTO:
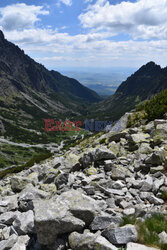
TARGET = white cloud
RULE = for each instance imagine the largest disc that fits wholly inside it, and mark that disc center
(66, 2)
(20, 16)
(95, 48)
(142, 19)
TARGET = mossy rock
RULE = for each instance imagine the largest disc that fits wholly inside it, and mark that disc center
(91, 171)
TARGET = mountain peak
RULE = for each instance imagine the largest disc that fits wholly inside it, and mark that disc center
(2, 37)
(150, 66)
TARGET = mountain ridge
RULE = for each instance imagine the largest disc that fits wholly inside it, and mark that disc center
(23, 72)
(149, 80)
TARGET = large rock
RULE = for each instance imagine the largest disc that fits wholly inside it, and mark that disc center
(119, 172)
(87, 159)
(28, 195)
(147, 184)
(8, 217)
(18, 183)
(102, 222)
(9, 243)
(89, 241)
(155, 159)
(61, 179)
(160, 134)
(103, 154)
(71, 211)
(139, 138)
(24, 223)
(22, 243)
(135, 246)
(121, 235)
(156, 201)
(116, 136)
(163, 237)
(9, 203)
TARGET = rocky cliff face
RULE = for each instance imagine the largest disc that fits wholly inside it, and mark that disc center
(79, 200)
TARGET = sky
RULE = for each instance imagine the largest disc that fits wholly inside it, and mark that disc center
(66, 34)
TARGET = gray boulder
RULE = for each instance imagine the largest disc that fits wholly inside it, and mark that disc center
(9, 243)
(102, 222)
(121, 235)
(156, 201)
(9, 203)
(8, 217)
(103, 154)
(135, 246)
(24, 223)
(29, 194)
(69, 212)
(163, 237)
(89, 241)
(22, 243)
(156, 159)
(18, 183)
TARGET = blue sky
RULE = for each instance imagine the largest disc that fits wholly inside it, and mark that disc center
(64, 34)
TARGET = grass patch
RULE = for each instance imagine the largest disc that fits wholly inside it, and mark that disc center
(30, 163)
(152, 109)
(16, 155)
(164, 195)
(156, 107)
(149, 229)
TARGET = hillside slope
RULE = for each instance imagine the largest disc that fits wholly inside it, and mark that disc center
(149, 80)
(29, 93)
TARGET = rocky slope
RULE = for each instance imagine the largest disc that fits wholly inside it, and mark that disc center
(149, 80)
(79, 200)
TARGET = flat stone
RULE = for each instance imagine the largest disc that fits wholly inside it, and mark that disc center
(135, 246)
(154, 170)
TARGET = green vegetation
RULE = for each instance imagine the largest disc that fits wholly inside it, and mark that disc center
(16, 155)
(30, 163)
(155, 108)
(164, 195)
(149, 229)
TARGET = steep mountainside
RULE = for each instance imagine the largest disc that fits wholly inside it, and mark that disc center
(29, 93)
(19, 72)
(149, 80)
